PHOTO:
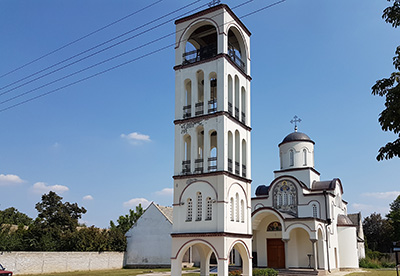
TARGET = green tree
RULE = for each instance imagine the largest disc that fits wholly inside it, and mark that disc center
(389, 119)
(14, 217)
(126, 222)
(394, 218)
(378, 233)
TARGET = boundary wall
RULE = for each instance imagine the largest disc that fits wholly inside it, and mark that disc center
(23, 262)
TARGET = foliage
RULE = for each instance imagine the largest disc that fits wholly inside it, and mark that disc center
(235, 273)
(389, 119)
(378, 233)
(126, 222)
(375, 259)
(394, 218)
(265, 272)
(14, 217)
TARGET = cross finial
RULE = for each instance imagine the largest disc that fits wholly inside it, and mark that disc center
(295, 121)
(213, 3)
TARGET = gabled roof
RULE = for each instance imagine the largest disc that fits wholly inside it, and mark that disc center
(166, 211)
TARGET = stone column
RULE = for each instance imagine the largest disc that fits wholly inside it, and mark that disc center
(286, 241)
(314, 252)
(223, 267)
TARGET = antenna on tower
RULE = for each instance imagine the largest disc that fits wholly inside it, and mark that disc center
(213, 3)
(295, 121)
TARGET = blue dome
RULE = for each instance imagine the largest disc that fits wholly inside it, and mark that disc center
(262, 190)
(296, 137)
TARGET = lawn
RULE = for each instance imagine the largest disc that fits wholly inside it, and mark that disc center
(114, 272)
(375, 272)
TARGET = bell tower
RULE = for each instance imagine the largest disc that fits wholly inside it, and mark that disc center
(212, 169)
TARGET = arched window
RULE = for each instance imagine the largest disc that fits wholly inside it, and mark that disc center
(237, 152)
(237, 104)
(285, 197)
(200, 93)
(242, 210)
(232, 209)
(209, 209)
(304, 157)
(199, 206)
(230, 94)
(212, 103)
(243, 106)
(244, 155)
(189, 210)
(291, 157)
(212, 160)
(186, 154)
(274, 226)
(230, 151)
(314, 211)
(237, 207)
(187, 108)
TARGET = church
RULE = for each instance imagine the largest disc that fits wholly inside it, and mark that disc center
(297, 221)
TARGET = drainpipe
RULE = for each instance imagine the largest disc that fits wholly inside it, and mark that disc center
(329, 221)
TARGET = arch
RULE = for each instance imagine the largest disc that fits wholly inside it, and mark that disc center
(189, 210)
(187, 101)
(212, 160)
(291, 157)
(260, 213)
(236, 103)
(242, 211)
(243, 190)
(303, 226)
(212, 102)
(237, 48)
(232, 209)
(199, 106)
(241, 40)
(230, 151)
(243, 106)
(199, 206)
(194, 182)
(304, 157)
(230, 95)
(237, 210)
(237, 152)
(244, 158)
(199, 158)
(193, 26)
(187, 155)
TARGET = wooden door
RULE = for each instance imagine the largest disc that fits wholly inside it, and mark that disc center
(275, 253)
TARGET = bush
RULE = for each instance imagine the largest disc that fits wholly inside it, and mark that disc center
(265, 272)
(235, 273)
(376, 263)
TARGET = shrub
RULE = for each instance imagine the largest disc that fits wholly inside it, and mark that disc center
(235, 273)
(265, 272)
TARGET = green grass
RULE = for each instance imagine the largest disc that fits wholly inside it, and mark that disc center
(114, 272)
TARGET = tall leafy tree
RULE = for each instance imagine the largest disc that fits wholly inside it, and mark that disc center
(394, 218)
(126, 222)
(378, 233)
(389, 118)
(14, 217)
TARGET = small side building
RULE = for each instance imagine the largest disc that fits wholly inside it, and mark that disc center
(149, 240)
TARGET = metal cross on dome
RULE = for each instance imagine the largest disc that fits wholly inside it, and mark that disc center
(214, 3)
(295, 121)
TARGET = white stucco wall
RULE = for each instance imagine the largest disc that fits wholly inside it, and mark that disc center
(149, 240)
(348, 252)
(48, 262)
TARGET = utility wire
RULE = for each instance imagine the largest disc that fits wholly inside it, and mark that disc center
(79, 39)
(96, 64)
(124, 63)
(99, 45)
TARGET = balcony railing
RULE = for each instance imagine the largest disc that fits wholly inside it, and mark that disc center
(186, 167)
(244, 170)
(237, 166)
(200, 54)
(199, 109)
(236, 59)
(237, 113)
(243, 118)
(212, 164)
(198, 166)
(230, 108)
(230, 165)
(187, 111)
(212, 106)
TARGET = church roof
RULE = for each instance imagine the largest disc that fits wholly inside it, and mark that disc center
(262, 190)
(166, 211)
(326, 185)
(296, 137)
(344, 220)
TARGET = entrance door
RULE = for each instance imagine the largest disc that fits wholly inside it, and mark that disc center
(275, 253)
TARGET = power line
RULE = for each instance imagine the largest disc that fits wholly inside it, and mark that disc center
(99, 45)
(81, 38)
(121, 64)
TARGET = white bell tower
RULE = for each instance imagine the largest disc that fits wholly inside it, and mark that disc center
(212, 174)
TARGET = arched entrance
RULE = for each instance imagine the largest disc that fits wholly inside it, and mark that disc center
(300, 249)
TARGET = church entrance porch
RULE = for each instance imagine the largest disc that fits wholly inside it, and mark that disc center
(275, 253)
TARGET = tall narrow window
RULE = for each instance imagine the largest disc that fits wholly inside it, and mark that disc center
(199, 206)
(237, 207)
(209, 208)
(189, 210)
(242, 210)
(232, 210)
(304, 157)
(291, 157)
(314, 211)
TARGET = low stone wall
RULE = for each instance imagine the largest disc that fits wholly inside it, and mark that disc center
(48, 262)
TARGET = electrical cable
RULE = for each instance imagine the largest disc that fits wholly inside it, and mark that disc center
(81, 38)
(99, 45)
(122, 64)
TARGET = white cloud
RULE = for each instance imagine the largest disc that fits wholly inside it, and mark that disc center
(42, 187)
(383, 195)
(88, 197)
(136, 138)
(136, 201)
(165, 192)
(367, 209)
(10, 179)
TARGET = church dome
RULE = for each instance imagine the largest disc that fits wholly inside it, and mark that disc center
(262, 190)
(296, 137)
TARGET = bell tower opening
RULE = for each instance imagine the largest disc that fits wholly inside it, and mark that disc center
(201, 45)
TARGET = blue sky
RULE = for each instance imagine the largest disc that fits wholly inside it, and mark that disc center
(107, 143)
